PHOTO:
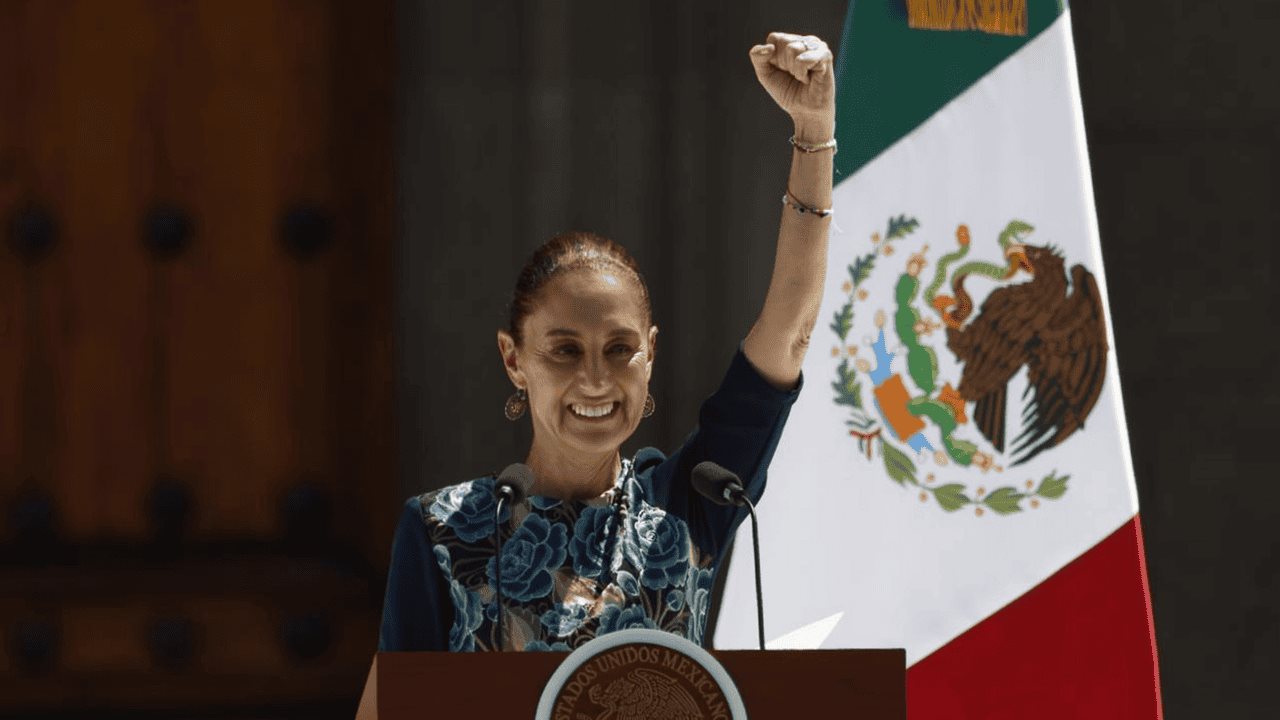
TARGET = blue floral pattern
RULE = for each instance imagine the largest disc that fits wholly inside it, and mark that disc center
(698, 594)
(591, 540)
(468, 616)
(528, 559)
(617, 618)
(628, 583)
(563, 620)
(570, 570)
(442, 559)
(658, 544)
(468, 509)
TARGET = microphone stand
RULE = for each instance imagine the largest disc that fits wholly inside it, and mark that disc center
(497, 566)
(722, 487)
(755, 546)
(512, 485)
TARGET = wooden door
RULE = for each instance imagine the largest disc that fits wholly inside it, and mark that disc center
(195, 350)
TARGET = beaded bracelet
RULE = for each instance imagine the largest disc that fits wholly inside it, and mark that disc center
(791, 201)
(812, 148)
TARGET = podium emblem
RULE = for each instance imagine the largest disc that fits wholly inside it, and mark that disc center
(638, 674)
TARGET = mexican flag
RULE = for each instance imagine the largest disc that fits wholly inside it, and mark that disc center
(955, 477)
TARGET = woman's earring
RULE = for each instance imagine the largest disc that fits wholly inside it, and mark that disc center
(517, 404)
(648, 405)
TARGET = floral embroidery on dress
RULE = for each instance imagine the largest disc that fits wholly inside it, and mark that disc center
(468, 615)
(468, 509)
(535, 551)
(698, 593)
(570, 570)
(657, 545)
(591, 540)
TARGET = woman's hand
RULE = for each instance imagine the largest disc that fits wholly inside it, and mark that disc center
(796, 70)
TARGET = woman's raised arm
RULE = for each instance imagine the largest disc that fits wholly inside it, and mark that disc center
(798, 74)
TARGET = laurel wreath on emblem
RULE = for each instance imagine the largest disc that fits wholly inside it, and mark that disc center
(1059, 335)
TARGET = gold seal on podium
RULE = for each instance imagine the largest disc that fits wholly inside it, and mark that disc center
(639, 674)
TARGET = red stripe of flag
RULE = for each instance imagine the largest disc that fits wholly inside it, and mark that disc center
(1081, 644)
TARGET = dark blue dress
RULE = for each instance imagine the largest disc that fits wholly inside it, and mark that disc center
(643, 554)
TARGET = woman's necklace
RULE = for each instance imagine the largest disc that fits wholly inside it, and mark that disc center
(621, 502)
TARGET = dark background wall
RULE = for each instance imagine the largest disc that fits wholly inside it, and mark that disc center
(1182, 117)
(205, 434)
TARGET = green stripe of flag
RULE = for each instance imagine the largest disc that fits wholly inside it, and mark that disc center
(891, 78)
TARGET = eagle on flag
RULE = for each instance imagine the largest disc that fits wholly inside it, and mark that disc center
(1057, 330)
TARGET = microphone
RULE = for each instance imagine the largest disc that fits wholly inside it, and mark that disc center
(513, 483)
(722, 487)
(718, 485)
(512, 486)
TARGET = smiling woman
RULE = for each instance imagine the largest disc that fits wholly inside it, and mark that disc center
(604, 542)
(579, 346)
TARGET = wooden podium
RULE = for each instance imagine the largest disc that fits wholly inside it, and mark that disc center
(782, 684)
